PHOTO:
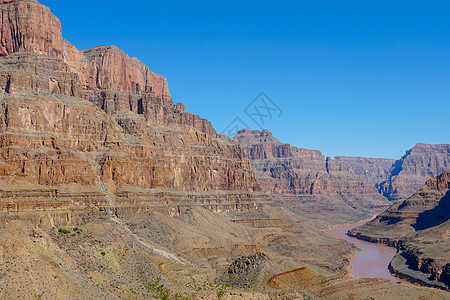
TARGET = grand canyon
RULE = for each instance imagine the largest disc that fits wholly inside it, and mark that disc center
(110, 189)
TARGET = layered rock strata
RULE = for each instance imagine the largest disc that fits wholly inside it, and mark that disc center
(132, 134)
(307, 180)
(408, 174)
(374, 170)
(27, 26)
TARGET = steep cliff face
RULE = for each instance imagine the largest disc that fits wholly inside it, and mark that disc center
(112, 69)
(129, 133)
(409, 174)
(374, 170)
(419, 226)
(27, 26)
(307, 177)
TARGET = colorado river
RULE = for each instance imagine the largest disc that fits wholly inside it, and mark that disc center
(373, 259)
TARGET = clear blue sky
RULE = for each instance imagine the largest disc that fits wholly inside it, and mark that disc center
(366, 78)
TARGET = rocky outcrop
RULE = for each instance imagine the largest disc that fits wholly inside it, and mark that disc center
(246, 272)
(419, 227)
(409, 174)
(305, 176)
(374, 170)
(425, 209)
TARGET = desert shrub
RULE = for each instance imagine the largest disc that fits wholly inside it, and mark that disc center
(103, 253)
(219, 288)
(163, 293)
(220, 293)
(64, 231)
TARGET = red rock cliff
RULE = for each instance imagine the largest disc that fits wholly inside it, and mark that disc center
(129, 133)
(27, 26)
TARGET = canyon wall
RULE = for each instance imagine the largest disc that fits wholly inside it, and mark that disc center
(408, 174)
(91, 143)
(27, 26)
(71, 117)
(307, 178)
(374, 170)
(399, 179)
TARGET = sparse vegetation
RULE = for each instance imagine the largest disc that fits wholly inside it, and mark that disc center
(220, 293)
(103, 253)
(64, 231)
(219, 288)
(163, 293)
(232, 279)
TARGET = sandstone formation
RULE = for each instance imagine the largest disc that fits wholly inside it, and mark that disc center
(307, 182)
(419, 226)
(409, 174)
(374, 170)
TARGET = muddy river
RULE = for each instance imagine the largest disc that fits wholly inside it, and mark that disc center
(373, 259)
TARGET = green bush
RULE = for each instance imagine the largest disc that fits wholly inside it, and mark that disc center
(65, 231)
(163, 293)
(220, 293)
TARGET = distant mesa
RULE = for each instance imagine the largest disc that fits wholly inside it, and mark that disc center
(374, 170)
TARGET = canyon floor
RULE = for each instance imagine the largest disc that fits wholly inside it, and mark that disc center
(115, 258)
